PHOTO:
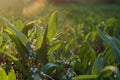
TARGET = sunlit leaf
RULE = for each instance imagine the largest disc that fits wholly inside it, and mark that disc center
(20, 47)
(19, 25)
(20, 35)
(42, 51)
(3, 46)
(3, 75)
(28, 27)
(12, 75)
(54, 46)
(39, 37)
(86, 77)
(1, 40)
(52, 26)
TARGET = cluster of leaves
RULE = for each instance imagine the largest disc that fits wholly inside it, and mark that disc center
(61, 51)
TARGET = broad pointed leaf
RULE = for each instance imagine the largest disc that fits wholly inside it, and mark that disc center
(97, 66)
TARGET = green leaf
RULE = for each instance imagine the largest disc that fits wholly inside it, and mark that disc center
(92, 53)
(19, 25)
(69, 44)
(108, 56)
(1, 39)
(43, 50)
(27, 27)
(3, 75)
(49, 68)
(86, 77)
(20, 47)
(76, 62)
(97, 66)
(114, 43)
(93, 35)
(3, 46)
(52, 26)
(87, 56)
(54, 46)
(39, 37)
(20, 35)
(11, 75)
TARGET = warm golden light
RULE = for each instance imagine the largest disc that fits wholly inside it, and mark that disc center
(26, 7)
(34, 7)
(10, 4)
